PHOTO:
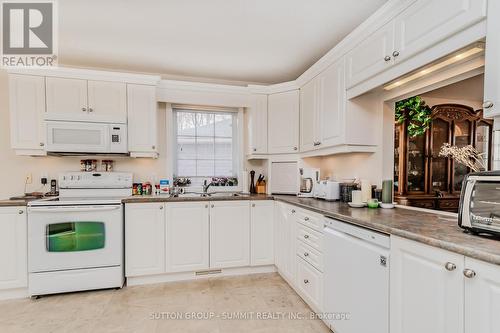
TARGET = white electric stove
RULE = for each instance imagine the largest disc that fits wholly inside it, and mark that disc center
(75, 241)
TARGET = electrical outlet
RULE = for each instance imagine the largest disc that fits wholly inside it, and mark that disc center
(29, 178)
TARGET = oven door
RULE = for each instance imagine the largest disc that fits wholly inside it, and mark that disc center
(74, 237)
(74, 137)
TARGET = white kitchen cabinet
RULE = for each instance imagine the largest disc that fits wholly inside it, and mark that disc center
(262, 233)
(257, 118)
(482, 297)
(67, 99)
(283, 122)
(144, 239)
(426, 289)
(27, 110)
(309, 284)
(322, 108)
(309, 115)
(187, 235)
(13, 248)
(285, 240)
(81, 100)
(371, 56)
(427, 22)
(229, 234)
(142, 120)
(107, 101)
(491, 104)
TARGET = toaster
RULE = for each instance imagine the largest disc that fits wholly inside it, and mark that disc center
(479, 210)
(327, 190)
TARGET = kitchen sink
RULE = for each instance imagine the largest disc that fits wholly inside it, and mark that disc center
(211, 195)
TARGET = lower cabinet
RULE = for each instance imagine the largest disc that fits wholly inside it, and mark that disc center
(284, 240)
(187, 234)
(433, 290)
(144, 239)
(309, 283)
(262, 233)
(229, 234)
(13, 248)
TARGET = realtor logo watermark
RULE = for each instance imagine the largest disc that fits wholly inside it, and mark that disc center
(29, 34)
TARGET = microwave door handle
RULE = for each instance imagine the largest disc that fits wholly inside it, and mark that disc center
(73, 209)
(466, 203)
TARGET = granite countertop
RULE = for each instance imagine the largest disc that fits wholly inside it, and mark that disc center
(12, 203)
(434, 229)
(217, 197)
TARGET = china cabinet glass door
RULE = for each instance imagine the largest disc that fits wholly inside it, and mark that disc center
(416, 163)
(461, 138)
(439, 164)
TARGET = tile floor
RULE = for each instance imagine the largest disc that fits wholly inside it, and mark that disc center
(160, 307)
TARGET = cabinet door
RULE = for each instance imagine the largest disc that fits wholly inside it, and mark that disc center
(187, 234)
(427, 22)
(142, 119)
(425, 295)
(285, 241)
(492, 62)
(262, 233)
(332, 105)
(309, 284)
(107, 101)
(482, 298)
(371, 57)
(283, 119)
(144, 239)
(13, 248)
(229, 234)
(258, 125)
(66, 99)
(309, 100)
(27, 109)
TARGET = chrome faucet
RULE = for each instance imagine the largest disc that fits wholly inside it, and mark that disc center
(206, 185)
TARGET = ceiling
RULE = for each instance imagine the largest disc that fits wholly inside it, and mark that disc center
(258, 41)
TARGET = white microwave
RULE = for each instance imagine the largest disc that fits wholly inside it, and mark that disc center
(83, 137)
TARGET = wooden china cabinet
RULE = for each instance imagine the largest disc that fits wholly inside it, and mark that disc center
(424, 179)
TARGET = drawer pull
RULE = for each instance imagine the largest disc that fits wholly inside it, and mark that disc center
(21, 212)
(469, 273)
(306, 236)
(306, 281)
(306, 254)
(306, 218)
(450, 266)
(293, 211)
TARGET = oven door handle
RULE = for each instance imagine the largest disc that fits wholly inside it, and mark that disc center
(73, 209)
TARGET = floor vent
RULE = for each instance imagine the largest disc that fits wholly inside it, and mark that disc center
(213, 271)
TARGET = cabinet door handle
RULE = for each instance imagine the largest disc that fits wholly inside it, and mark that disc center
(306, 218)
(206, 206)
(306, 236)
(469, 273)
(91, 110)
(306, 281)
(450, 266)
(295, 148)
(42, 144)
(487, 104)
(21, 212)
(84, 109)
(306, 254)
(253, 205)
(212, 206)
(395, 54)
(161, 207)
(153, 147)
(293, 211)
(255, 149)
(387, 58)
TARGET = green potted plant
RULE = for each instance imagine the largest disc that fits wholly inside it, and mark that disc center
(418, 114)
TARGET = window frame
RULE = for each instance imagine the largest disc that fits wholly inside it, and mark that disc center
(237, 144)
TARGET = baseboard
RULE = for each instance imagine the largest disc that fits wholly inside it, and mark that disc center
(185, 276)
(14, 293)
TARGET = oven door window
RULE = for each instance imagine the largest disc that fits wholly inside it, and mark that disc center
(75, 236)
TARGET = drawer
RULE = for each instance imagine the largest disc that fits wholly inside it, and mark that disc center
(310, 284)
(310, 219)
(310, 255)
(310, 237)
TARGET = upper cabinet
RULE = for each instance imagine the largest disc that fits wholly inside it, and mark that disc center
(491, 104)
(421, 25)
(283, 119)
(257, 124)
(142, 120)
(82, 100)
(322, 108)
(27, 109)
(371, 57)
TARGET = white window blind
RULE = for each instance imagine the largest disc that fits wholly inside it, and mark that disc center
(206, 143)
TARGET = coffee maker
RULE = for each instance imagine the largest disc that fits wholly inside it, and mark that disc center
(309, 178)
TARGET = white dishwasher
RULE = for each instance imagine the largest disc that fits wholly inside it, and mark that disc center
(356, 278)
